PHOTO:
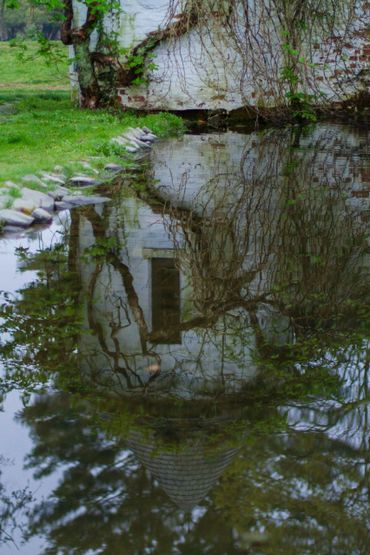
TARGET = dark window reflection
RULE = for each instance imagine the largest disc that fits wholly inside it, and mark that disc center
(165, 301)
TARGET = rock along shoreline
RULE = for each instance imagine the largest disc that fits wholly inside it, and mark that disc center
(22, 207)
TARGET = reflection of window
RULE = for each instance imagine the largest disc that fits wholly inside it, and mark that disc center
(165, 301)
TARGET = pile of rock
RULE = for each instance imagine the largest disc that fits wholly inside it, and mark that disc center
(135, 140)
(36, 207)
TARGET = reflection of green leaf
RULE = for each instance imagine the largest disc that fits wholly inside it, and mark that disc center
(101, 248)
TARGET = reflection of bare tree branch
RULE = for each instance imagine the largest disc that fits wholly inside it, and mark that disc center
(284, 244)
(13, 507)
(112, 258)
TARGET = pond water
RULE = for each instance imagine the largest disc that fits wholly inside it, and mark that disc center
(185, 369)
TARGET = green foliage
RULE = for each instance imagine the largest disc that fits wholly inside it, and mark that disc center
(99, 250)
(51, 53)
(302, 104)
(140, 63)
(29, 65)
(14, 192)
(294, 479)
(276, 470)
(27, 18)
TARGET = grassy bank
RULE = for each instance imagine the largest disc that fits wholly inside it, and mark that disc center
(41, 128)
(47, 130)
(23, 68)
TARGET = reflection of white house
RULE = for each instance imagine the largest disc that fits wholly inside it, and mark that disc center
(144, 330)
(147, 308)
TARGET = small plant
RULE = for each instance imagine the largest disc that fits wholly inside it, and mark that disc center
(304, 106)
(100, 249)
(139, 62)
(301, 102)
(14, 192)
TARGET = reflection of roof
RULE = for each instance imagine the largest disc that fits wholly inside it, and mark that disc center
(186, 475)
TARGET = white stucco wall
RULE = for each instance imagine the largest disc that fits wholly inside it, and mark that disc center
(201, 70)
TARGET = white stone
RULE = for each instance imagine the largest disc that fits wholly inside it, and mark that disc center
(33, 179)
(127, 138)
(140, 144)
(10, 184)
(149, 137)
(84, 180)
(4, 199)
(12, 229)
(41, 216)
(14, 218)
(58, 193)
(24, 205)
(88, 166)
(139, 131)
(40, 200)
(84, 200)
(61, 205)
(59, 179)
(120, 141)
(114, 167)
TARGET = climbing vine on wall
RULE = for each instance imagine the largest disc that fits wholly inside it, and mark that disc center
(293, 54)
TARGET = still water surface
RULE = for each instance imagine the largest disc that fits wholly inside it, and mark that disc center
(185, 369)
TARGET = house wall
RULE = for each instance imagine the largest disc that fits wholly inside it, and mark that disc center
(202, 70)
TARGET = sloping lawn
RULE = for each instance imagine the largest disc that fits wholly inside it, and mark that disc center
(41, 128)
(47, 130)
(22, 68)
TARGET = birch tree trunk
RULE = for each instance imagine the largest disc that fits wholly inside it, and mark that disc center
(79, 38)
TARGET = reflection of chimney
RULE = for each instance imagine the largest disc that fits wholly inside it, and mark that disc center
(187, 475)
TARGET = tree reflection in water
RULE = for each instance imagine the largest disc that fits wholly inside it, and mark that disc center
(244, 297)
(292, 491)
(14, 507)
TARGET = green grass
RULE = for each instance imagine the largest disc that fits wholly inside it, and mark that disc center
(14, 192)
(34, 72)
(47, 130)
(41, 128)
